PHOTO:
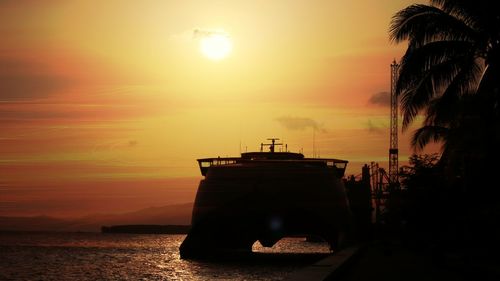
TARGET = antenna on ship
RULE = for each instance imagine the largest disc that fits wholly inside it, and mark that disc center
(271, 145)
(314, 143)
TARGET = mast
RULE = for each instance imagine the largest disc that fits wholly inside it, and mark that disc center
(393, 143)
(271, 145)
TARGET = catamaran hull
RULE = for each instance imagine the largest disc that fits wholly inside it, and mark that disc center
(237, 205)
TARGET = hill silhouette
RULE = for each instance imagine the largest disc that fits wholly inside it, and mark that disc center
(178, 214)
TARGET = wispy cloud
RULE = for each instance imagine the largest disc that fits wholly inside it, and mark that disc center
(376, 128)
(25, 80)
(300, 123)
(196, 34)
(380, 99)
(203, 32)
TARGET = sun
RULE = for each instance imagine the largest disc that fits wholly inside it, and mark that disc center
(216, 46)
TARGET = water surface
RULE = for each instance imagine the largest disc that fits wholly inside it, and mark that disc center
(96, 256)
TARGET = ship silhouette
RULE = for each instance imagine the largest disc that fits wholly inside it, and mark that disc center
(265, 196)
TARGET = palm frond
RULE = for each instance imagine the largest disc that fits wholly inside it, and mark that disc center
(452, 44)
(414, 99)
(420, 88)
(421, 24)
(424, 135)
(417, 61)
(478, 14)
(443, 109)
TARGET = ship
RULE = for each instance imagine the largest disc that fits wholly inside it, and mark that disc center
(265, 196)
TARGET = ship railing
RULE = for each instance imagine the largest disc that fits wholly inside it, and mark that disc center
(209, 162)
(338, 165)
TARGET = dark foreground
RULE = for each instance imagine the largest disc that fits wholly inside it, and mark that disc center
(380, 261)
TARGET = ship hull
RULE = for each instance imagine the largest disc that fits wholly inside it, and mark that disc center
(237, 205)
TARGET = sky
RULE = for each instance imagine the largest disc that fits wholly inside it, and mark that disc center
(106, 105)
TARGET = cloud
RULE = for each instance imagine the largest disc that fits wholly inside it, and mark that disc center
(300, 123)
(381, 99)
(376, 128)
(25, 80)
(202, 33)
(195, 34)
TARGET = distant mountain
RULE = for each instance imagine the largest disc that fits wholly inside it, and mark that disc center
(36, 223)
(179, 214)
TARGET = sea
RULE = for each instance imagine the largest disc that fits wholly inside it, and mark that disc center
(104, 256)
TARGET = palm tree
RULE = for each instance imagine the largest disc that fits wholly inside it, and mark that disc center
(451, 73)
(453, 51)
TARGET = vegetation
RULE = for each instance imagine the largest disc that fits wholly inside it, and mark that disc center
(424, 196)
(419, 208)
(449, 74)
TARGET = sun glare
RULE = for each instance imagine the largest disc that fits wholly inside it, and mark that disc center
(216, 46)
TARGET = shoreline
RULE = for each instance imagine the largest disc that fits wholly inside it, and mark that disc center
(395, 261)
(146, 229)
(329, 267)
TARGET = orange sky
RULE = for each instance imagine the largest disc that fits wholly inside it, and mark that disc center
(105, 105)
